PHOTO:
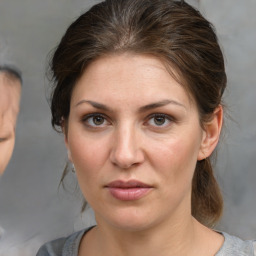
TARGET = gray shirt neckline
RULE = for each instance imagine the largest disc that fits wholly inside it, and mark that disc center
(232, 246)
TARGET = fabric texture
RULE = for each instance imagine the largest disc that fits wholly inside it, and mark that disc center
(232, 246)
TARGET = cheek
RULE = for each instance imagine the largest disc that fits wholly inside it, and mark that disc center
(89, 157)
(6, 149)
(176, 159)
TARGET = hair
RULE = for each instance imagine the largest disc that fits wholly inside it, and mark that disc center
(11, 72)
(172, 31)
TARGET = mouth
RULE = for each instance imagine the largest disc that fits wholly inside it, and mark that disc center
(128, 190)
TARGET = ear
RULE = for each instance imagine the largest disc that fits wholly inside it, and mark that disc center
(211, 134)
(64, 131)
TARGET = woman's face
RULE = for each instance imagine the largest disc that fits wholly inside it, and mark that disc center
(9, 108)
(134, 137)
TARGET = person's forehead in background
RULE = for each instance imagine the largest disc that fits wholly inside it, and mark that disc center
(10, 90)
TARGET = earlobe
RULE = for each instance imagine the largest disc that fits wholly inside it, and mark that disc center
(66, 142)
(211, 134)
(68, 151)
(69, 155)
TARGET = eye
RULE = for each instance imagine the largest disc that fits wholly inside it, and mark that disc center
(159, 120)
(3, 139)
(95, 120)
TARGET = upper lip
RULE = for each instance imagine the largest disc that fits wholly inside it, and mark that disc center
(127, 184)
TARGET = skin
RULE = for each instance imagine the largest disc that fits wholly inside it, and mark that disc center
(9, 108)
(148, 130)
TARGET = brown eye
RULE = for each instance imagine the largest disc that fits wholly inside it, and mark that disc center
(98, 120)
(95, 120)
(159, 120)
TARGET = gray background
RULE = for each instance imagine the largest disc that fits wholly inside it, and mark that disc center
(32, 210)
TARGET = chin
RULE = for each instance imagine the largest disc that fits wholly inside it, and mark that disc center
(132, 227)
(130, 220)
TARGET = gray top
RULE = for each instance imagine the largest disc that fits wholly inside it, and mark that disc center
(68, 246)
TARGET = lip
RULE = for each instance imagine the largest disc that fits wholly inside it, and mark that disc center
(128, 190)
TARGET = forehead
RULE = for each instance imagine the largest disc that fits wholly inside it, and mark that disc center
(124, 75)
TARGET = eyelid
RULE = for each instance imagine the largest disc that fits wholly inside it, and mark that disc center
(171, 118)
(86, 116)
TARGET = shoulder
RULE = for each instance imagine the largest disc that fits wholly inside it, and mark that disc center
(53, 248)
(65, 246)
(236, 247)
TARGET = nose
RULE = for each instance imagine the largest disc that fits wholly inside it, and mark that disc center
(126, 151)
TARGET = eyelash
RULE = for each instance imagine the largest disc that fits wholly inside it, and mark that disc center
(167, 118)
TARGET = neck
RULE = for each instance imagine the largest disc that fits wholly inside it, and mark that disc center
(173, 239)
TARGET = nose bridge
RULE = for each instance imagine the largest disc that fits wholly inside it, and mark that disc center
(127, 138)
(125, 151)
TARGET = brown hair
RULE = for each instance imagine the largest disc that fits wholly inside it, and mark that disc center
(171, 30)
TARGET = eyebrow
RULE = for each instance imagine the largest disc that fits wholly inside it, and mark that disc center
(141, 109)
(94, 104)
(160, 104)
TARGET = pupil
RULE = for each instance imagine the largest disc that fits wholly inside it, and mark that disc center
(98, 120)
(159, 120)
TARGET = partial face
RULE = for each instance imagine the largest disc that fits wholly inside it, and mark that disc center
(134, 138)
(9, 108)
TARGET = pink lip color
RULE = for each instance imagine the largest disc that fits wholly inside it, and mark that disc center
(128, 191)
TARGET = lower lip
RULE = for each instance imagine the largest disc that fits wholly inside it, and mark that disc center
(128, 194)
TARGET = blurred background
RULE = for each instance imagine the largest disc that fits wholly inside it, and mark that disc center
(32, 208)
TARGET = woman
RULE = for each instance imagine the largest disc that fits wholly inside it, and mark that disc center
(137, 93)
